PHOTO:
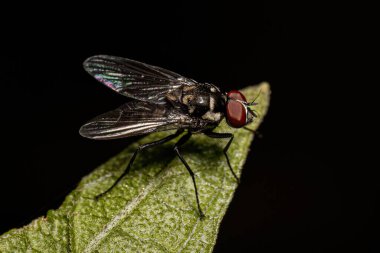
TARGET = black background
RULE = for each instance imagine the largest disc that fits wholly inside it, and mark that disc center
(301, 188)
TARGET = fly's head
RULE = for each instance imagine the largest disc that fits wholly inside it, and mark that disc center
(238, 113)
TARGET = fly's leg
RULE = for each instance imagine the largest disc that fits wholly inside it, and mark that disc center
(182, 141)
(224, 136)
(140, 148)
(255, 132)
(250, 130)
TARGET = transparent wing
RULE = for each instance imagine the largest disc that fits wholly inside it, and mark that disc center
(134, 118)
(135, 79)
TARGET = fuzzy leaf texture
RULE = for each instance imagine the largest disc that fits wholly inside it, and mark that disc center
(153, 209)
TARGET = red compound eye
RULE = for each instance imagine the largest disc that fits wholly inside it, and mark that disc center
(235, 110)
(235, 94)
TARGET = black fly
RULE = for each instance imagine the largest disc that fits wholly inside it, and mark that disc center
(163, 100)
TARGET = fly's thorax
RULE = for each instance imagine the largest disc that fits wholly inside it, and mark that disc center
(216, 107)
(204, 101)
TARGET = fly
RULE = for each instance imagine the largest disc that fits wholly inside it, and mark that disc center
(163, 100)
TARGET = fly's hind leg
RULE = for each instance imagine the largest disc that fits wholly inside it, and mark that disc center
(140, 148)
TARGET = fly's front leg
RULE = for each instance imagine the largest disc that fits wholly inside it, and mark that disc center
(255, 132)
(140, 148)
(229, 136)
(182, 141)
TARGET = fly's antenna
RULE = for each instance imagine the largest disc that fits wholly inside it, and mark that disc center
(253, 102)
(246, 103)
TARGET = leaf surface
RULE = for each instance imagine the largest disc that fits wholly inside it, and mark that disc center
(153, 209)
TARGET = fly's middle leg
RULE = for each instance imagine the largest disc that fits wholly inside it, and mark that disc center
(140, 148)
(229, 136)
(182, 141)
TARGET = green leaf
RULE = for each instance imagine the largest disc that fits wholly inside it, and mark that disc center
(153, 209)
